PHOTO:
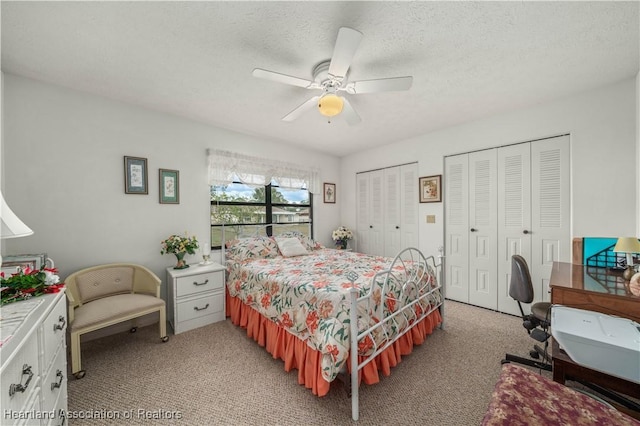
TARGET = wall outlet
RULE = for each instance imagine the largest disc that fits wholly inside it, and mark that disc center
(431, 218)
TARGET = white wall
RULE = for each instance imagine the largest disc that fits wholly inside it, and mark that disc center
(64, 176)
(638, 153)
(602, 124)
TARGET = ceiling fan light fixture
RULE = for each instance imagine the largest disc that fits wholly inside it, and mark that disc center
(330, 105)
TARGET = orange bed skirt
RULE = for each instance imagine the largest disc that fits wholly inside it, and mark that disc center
(297, 354)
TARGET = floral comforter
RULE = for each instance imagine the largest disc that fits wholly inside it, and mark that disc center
(309, 297)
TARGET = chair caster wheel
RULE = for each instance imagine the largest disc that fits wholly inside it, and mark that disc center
(164, 339)
(133, 329)
(80, 374)
(534, 354)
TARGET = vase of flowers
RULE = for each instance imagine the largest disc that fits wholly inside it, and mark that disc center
(27, 283)
(341, 237)
(179, 246)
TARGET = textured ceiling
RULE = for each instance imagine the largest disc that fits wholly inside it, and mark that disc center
(194, 59)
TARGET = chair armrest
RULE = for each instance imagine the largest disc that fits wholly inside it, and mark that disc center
(146, 281)
(71, 306)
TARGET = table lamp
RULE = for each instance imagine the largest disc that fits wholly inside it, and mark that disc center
(10, 225)
(628, 245)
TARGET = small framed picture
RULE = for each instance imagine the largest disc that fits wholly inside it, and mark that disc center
(11, 263)
(169, 186)
(135, 175)
(329, 192)
(430, 189)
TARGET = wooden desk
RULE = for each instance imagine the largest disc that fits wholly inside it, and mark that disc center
(600, 290)
(594, 289)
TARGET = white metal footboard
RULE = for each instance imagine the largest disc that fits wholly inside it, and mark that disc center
(411, 271)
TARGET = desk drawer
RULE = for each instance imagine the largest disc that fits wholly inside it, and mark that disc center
(199, 283)
(200, 307)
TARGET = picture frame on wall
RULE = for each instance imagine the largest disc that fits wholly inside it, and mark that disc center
(135, 175)
(169, 186)
(329, 191)
(430, 188)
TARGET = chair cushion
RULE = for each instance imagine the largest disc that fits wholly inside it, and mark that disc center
(105, 282)
(113, 307)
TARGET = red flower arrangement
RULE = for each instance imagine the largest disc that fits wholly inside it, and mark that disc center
(28, 283)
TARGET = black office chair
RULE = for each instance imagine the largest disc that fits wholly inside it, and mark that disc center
(537, 323)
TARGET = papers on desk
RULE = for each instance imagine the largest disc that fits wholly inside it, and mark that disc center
(598, 341)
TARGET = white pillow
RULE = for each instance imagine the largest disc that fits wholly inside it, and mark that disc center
(290, 247)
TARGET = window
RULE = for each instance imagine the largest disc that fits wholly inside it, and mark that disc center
(239, 204)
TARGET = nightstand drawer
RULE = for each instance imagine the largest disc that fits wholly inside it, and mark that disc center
(195, 308)
(199, 283)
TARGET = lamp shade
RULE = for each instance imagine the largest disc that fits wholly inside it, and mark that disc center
(11, 226)
(330, 105)
(627, 245)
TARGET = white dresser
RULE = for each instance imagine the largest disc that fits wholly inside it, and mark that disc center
(196, 296)
(34, 361)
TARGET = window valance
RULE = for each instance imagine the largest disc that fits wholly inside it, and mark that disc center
(225, 166)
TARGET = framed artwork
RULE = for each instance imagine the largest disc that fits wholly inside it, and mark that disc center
(169, 186)
(135, 175)
(430, 189)
(10, 264)
(329, 192)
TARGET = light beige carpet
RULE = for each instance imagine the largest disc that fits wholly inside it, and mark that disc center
(215, 375)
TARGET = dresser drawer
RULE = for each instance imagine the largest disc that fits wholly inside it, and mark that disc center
(54, 328)
(199, 283)
(55, 381)
(17, 372)
(195, 308)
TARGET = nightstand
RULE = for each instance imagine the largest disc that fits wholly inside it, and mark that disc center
(196, 296)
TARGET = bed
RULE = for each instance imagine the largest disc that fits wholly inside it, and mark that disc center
(308, 305)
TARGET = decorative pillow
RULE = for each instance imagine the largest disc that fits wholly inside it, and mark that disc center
(290, 247)
(307, 242)
(251, 248)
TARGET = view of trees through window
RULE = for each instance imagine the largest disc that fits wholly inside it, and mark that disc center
(238, 204)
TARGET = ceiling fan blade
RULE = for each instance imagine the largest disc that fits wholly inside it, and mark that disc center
(350, 114)
(283, 78)
(308, 105)
(379, 85)
(344, 50)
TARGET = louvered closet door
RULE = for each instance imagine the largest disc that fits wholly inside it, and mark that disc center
(514, 217)
(362, 213)
(483, 232)
(369, 212)
(409, 206)
(456, 212)
(392, 211)
(400, 208)
(550, 213)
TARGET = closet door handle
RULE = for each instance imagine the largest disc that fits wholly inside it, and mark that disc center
(525, 232)
(473, 229)
(371, 226)
(397, 227)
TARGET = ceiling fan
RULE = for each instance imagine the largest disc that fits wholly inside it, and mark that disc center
(330, 76)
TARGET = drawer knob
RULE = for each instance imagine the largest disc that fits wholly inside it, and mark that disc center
(204, 283)
(19, 387)
(195, 308)
(62, 322)
(60, 379)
